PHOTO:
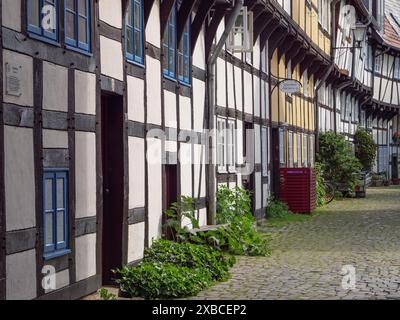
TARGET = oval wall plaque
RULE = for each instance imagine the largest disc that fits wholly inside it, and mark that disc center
(290, 86)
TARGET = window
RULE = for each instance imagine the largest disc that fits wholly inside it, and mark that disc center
(264, 150)
(184, 55)
(231, 146)
(77, 24)
(326, 15)
(305, 84)
(43, 19)
(378, 62)
(320, 18)
(169, 44)
(305, 150)
(282, 152)
(299, 149)
(55, 213)
(369, 59)
(134, 32)
(221, 144)
(290, 149)
(312, 143)
(396, 74)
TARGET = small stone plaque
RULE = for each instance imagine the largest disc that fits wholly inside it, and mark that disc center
(13, 80)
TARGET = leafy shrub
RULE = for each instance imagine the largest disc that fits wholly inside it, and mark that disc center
(191, 256)
(175, 215)
(156, 280)
(232, 203)
(338, 163)
(366, 148)
(240, 237)
(277, 209)
(320, 188)
(107, 295)
(170, 270)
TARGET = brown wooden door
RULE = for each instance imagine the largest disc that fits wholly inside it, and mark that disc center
(113, 184)
(170, 191)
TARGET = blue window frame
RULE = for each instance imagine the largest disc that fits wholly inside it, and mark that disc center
(169, 44)
(77, 24)
(184, 55)
(134, 32)
(42, 19)
(55, 213)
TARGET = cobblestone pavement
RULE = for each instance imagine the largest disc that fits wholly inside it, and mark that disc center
(308, 257)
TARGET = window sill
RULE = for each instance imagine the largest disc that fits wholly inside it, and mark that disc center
(56, 254)
(135, 63)
(185, 84)
(86, 53)
(44, 39)
(171, 78)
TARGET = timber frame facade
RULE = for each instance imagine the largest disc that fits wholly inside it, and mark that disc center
(99, 135)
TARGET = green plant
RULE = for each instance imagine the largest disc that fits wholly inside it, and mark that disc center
(106, 295)
(366, 148)
(320, 187)
(240, 236)
(191, 256)
(232, 203)
(171, 269)
(175, 215)
(338, 163)
(277, 209)
(156, 280)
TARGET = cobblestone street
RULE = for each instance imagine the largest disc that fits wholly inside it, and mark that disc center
(308, 257)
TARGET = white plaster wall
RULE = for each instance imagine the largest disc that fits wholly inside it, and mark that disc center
(185, 113)
(111, 12)
(154, 189)
(258, 194)
(199, 51)
(55, 87)
(111, 58)
(21, 275)
(85, 259)
(19, 178)
(185, 155)
(11, 14)
(153, 25)
(26, 77)
(198, 104)
(136, 242)
(221, 83)
(248, 93)
(239, 142)
(153, 90)
(135, 99)
(62, 280)
(202, 217)
(257, 143)
(257, 97)
(199, 158)
(85, 157)
(85, 92)
(170, 109)
(55, 139)
(136, 173)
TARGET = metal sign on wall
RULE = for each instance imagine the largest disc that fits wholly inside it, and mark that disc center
(290, 86)
(13, 80)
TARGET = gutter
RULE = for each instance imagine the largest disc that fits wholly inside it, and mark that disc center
(211, 64)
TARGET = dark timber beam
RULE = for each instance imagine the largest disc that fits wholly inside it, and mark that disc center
(286, 46)
(314, 67)
(294, 50)
(211, 31)
(148, 4)
(276, 39)
(307, 62)
(260, 24)
(183, 15)
(201, 15)
(166, 7)
(268, 31)
(299, 57)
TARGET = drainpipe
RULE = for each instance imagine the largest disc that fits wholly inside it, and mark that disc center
(211, 64)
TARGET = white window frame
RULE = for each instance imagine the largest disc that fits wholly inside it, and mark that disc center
(299, 150)
(221, 144)
(231, 145)
(305, 150)
(282, 151)
(264, 149)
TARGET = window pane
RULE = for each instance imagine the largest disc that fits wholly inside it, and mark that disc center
(70, 25)
(33, 12)
(69, 4)
(137, 15)
(60, 226)
(129, 44)
(48, 194)
(82, 7)
(82, 30)
(49, 229)
(60, 194)
(137, 44)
